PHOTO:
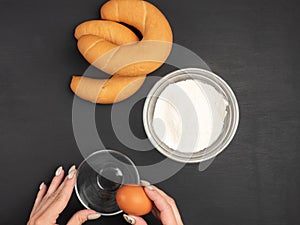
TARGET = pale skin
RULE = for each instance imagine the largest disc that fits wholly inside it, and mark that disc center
(164, 207)
(51, 201)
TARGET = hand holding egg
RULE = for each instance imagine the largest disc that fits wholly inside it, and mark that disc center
(137, 201)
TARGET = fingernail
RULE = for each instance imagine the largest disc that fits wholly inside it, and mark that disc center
(93, 216)
(145, 183)
(41, 186)
(150, 187)
(71, 168)
(71, 172)
(129, 219)
(58, 171)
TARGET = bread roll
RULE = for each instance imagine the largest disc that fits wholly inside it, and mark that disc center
(133, 58)
(116, 33)
(106, 91)
(112, 47)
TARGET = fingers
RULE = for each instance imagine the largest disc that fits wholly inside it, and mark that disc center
(64, 192)
(51, 202)
(54, 204)
(82, 216)
(159, 201)
(136, 220)
(172, 202)
(52, 188)
(166, 212)
(162, 193)
(41, 193)
(158, 213)
(59, 174)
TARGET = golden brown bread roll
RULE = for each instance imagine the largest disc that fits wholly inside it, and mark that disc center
(108, 30)
(132, 59)
(140, 14)
(115, 49)
(106, 91)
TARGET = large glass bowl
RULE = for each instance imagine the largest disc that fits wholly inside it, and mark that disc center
(230, 122)
(99, 177)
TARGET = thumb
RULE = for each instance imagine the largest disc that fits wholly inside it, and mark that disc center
(136, 220)
(82, 216)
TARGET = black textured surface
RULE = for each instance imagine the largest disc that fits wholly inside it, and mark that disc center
(252, 44)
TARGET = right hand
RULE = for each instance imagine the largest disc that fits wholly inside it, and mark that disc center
(164, 208)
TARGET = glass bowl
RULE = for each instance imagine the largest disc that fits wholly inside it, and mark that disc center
(230, 122)
(99, 177)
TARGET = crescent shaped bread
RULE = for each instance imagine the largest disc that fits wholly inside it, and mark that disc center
(116, 33)
(114, 48)
(107, 91)
(134, 58)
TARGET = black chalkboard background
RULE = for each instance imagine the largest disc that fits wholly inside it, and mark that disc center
(252, 44)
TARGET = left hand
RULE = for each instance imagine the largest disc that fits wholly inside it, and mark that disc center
(51, 201)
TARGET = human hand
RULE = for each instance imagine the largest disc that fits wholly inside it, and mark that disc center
(51, 201)
(164, 208)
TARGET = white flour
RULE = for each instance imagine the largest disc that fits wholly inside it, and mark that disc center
(189, 115)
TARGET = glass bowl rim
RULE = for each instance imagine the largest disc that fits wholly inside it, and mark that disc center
(216, 80)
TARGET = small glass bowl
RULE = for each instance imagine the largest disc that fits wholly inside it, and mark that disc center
(230, 122)
(99, 177)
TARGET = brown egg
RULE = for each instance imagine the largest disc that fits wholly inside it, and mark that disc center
(133, 200)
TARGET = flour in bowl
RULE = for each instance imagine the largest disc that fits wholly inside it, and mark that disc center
(189, 115)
